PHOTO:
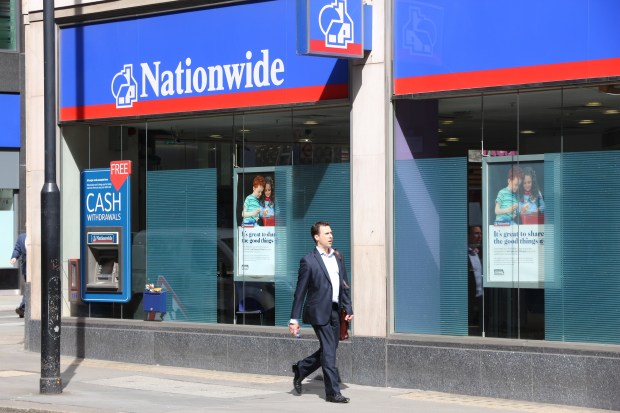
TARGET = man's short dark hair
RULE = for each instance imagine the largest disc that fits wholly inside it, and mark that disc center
(316, 227)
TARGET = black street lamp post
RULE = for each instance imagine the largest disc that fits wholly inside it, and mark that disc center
(50, 382)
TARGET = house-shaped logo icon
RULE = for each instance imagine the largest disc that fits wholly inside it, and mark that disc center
(125, 87)
(336, 24)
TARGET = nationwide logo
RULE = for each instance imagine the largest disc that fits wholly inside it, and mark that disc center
(336, 24)
(103, 238)
(420, 32)
(125, 87)
(157, 80)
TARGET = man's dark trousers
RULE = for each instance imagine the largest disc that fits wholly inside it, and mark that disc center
(325, 356)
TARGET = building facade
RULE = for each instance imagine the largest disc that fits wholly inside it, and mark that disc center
(461, 115)
(12, 152)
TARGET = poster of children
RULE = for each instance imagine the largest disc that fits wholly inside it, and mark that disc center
(256, 238)
(515, 220)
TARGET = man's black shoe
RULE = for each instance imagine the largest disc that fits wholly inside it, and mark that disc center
(297, 379)
(337, 398)
(20, 312)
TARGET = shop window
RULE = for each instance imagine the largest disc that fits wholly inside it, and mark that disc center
(248, 274)
(455, 159)
(190, 180)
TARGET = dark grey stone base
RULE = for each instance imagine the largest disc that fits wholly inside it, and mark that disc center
(560, 373)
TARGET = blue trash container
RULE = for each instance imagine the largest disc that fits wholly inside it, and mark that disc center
(154, 303)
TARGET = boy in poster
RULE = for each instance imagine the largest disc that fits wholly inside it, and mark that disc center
(507, 201)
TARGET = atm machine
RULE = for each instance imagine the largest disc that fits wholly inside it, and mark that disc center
(105, 237)
(104, 263)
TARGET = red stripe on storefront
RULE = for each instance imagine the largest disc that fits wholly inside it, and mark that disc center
(211, 102)
(504, 77)
(353, 49)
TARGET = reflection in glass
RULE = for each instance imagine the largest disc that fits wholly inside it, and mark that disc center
(190, 177)
(510, 127)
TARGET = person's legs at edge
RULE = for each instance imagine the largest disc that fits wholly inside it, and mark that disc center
(21, 310)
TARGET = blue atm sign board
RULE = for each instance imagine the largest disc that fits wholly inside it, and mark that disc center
(330, 28)
(230, 56)
(106, 223)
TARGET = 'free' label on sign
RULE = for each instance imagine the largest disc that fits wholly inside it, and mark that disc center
(119, 171)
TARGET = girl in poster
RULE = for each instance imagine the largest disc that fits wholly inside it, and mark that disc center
(268, 202)
(531, 203)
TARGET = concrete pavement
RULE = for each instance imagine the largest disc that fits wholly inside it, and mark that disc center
(104, 386)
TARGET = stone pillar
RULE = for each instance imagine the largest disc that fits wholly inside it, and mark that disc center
(33, 33)
(370, 113)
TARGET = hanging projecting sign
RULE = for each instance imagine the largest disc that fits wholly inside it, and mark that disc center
(330, 28)
(171, 63)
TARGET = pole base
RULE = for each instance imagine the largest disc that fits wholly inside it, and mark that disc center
(51, 385)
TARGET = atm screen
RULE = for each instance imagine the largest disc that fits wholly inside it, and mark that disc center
(107, 266)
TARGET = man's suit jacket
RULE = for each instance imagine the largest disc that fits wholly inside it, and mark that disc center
(19, 251)
(315, 289)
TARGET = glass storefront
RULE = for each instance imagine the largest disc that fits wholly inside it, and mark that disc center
(535, 172)
(195, 184)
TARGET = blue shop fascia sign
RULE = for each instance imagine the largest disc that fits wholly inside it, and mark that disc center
(444, 45)
(225, 56)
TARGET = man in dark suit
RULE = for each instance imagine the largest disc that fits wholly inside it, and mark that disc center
(323, 285)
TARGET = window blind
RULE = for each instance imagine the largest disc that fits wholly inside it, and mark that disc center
(582, 234)
(307, 194)
(430, 246)
(182, 241)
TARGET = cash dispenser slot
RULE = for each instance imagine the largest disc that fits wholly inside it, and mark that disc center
(104, 261)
